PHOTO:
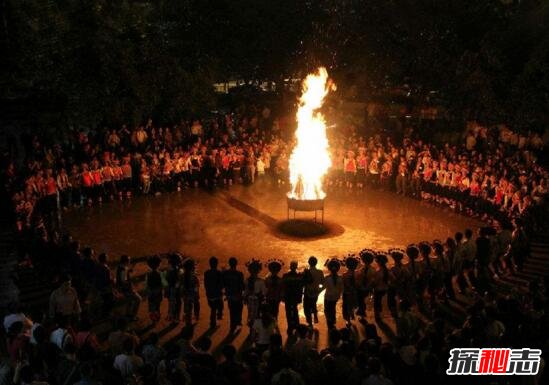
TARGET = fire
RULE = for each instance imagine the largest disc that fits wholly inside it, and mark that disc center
(310, 159)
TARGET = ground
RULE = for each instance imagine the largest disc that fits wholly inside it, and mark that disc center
(243, 221)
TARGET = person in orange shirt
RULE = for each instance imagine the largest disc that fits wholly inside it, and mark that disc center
(98, 182)
(51, 191)
(349, 165)
(87, 183)
(107, 175)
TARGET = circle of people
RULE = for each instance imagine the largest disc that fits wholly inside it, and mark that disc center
(492, 175)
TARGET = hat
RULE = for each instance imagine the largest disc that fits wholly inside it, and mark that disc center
(254, 266)
(274, 265)
(437, 245)
(333, 264)
(381, 258)
(425, 248)
(351, 261)
(367, 255)
(396, 254)
(153, 262)
(412, 251)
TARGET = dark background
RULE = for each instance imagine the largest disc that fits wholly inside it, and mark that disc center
(84, 62)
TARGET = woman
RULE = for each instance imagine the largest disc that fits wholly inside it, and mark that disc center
(273, 286)
(173, 289)
(381, 282)
(153, 287)
(412, 252)
(334, 289)
(190, 292)
(75, 183)
(362, 163)
(349, 165)
(262, 329)
(428, 276)
(87, 183)
(255, 290)
(125, 286)
(398, 280)
(350, 290)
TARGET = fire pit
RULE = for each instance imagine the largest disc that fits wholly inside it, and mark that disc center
(310, 158)
(315, 205)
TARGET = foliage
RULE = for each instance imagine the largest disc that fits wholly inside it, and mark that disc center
(125, 60)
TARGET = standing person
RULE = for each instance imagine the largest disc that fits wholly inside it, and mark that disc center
(75, 183)
(349, 166)
(313, 279)
(255, 290)
(445, 270)
(103, 283)
(469, 249)
(127, 177)
(412, 252)
(426, 275)
(483, 252)
(459, 256)
(398, 281)
(233, 281)
(64, 300)
(292, 283)
(365, 279)
(262, 329)
(51, 192)
(64, 187)
(381, 283)
(173, 289)
(213, 283)
(350, 289)
(273, 284)
(334, 289)
(124, 285)
(190, 291)
(153, 285)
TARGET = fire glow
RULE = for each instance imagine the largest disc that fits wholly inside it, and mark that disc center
(310, 159)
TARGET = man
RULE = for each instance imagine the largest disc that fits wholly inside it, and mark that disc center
(128, 363)
(483, 251)
(314, 284)
(469, 254)
(233, 281)
(334, 290)
(292, 289)
(61, 336)
(103, 284)
(64, 300)
(213, 282)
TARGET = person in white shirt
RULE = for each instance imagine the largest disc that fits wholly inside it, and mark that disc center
(260, 165)
(61, 336)
(128, 363)
(15, 314)
(262, 329)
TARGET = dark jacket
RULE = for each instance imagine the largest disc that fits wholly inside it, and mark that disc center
(233, 281)
(213, 283)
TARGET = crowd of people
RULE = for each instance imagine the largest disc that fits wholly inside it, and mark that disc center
(60, 346)
(494, 175)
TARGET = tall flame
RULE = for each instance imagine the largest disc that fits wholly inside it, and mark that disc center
(310, 159)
